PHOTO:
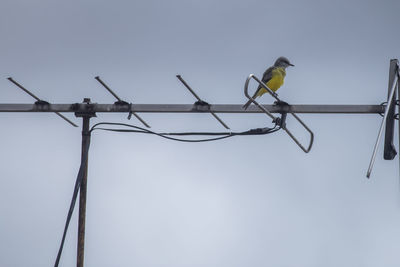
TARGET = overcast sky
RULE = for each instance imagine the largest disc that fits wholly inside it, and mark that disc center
(244, 201)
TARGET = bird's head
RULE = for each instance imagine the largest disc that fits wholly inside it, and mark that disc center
(283, 62)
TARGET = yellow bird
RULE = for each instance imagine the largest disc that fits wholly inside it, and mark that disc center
(273, 77)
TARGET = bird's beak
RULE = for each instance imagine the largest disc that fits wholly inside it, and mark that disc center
(290, 64)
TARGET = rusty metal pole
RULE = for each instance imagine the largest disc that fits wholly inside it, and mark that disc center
(82, 196)
(83, 187)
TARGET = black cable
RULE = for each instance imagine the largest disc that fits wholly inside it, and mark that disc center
(161, 135)
(77, 186)
(223, 135)
(137, 129)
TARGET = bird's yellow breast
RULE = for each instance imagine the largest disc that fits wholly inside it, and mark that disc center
(276, 81)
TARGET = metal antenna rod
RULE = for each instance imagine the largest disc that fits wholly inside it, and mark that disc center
(108, 88)
(266, 111)
(199, 99)
(392, 90)
(246, 93)
(38, 99)
(121, 101)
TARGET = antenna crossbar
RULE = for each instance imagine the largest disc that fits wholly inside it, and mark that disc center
(190, 108)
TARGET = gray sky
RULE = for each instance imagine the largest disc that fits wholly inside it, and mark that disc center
(246, 201)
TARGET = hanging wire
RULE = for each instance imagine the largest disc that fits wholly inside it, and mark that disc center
(222, 135)
(78, 182)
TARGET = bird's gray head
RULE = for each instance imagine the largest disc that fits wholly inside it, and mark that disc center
(282, 62)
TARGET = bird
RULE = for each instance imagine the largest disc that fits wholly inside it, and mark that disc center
(273, 77)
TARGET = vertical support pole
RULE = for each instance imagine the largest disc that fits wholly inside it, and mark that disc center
(82, 194)
(389, 151)
(83, 187)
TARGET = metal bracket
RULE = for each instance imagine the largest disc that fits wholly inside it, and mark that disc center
(389, 149)
(88, 107)
(274, 119)
(385, 116)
